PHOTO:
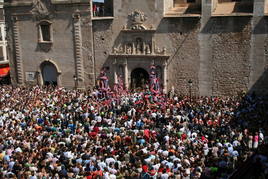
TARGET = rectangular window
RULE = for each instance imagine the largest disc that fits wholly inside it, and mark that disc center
(102, 8)
(45, 32)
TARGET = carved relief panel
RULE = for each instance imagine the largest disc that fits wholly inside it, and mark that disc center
(136, 38)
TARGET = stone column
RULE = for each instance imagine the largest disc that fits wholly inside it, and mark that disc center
(126, 74)
(165, 75)
(115, 71)
(17, 49)
(205, 73)
(258, 37)
(79, 64)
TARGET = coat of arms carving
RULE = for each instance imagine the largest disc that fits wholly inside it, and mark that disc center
(41, 9)
(137, 19)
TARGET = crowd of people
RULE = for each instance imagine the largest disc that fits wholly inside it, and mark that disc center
(59, 133)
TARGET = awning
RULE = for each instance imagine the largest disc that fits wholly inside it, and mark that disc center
(4, 71)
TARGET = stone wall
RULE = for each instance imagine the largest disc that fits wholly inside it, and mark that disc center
(230, 38)
(181, 37)
(27, 53)
(103, 38)
(221, 55)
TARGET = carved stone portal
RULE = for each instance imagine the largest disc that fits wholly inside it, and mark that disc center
(137, 39)
(138, 46)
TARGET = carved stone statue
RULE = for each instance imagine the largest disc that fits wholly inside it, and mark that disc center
(157, 50)
(128, 49)
(148, 49)
(119, 49)
(137, 19)
(160, 51)
(139, 46)
(164, 50)
(41, 8)
(133, 48)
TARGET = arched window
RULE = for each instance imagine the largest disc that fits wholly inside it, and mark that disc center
(45, 32)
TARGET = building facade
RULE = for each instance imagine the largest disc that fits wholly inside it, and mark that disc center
(4, 63)
(219, 45)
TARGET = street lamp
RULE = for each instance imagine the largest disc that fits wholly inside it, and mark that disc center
(190, 82)
(75, 81)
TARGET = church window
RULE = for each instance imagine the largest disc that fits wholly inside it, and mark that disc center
(45, 32)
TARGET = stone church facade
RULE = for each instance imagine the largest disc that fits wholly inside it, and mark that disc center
(219, 45)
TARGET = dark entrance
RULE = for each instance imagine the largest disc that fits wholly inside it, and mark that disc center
(49, 74)
(139, 78)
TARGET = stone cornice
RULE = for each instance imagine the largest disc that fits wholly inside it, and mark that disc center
(141, 56)
(57, 12)
(55, 2)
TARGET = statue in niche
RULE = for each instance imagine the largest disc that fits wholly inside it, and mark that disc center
(157, 50)
(118, 49)
(148, 49)
(139, 46)
(164, 50)
(128, 49)
(133, 48)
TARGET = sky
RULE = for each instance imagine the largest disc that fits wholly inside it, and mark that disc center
(98, 0)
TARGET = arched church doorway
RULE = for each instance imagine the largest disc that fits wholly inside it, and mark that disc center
(139, 78)
(49, 74)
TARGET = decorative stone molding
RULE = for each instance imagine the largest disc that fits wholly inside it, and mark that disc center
(136, 22)
(52, 62)
(76, 16)
(137, 39)
(42, 9)
(138, 47)
(78, 46)
(17, 49)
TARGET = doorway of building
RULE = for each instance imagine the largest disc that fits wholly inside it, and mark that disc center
(49, 74)
(139, 78)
